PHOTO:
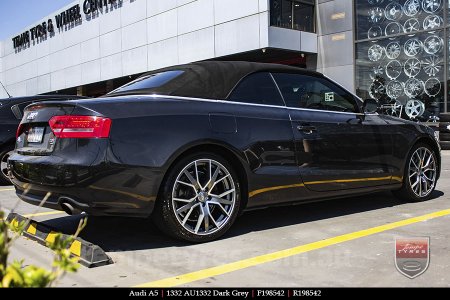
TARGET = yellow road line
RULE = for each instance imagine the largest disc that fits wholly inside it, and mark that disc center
(48, 213)
(258, 260)
(6, 190)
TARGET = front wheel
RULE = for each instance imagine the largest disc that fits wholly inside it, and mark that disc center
(4, 155)
(420, 174)
(200, 198)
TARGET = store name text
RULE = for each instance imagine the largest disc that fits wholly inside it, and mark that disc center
(69, 16)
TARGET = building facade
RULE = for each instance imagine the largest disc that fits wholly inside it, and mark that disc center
(373, 47)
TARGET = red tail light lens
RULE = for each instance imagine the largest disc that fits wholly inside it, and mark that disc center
(79, 127)
(19, 131)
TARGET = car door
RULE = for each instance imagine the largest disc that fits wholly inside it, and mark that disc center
(264, 135)
(337, 147)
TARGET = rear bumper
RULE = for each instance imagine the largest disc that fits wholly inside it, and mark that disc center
(57, 200)
(100, 188)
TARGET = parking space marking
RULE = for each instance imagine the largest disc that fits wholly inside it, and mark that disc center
(270, 257)
(48, 213)
(6, 190)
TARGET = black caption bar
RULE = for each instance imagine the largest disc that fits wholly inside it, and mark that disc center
(239, 293)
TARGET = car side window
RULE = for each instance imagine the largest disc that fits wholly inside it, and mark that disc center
(257, 88)
(303, 91)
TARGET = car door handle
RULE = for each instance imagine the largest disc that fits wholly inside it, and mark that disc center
(305, 128)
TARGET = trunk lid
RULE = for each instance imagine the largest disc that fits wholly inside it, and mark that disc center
(34, 135)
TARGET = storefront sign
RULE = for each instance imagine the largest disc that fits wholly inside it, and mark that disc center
(71, 15)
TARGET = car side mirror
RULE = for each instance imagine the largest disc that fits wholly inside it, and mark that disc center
(371, 106)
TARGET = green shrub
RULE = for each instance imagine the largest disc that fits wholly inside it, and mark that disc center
(15, 275)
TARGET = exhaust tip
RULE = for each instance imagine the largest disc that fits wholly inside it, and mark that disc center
(68, 208)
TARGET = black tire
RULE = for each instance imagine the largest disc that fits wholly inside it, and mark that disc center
(444, 127)
(445, 145)
(4, 154)
(406, 193)
(444, 136)
(444, 117)
(168, 221)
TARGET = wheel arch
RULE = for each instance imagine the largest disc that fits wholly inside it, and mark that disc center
(11, 143)
(226, 151)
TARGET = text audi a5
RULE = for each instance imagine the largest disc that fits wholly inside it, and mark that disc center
(194, 145)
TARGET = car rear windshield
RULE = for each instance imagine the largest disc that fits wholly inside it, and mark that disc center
(150, 81)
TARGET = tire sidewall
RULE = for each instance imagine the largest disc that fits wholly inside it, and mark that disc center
(165, 200)
(4, 152)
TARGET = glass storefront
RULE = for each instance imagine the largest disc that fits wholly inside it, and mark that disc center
(402, 56)
(293, 14)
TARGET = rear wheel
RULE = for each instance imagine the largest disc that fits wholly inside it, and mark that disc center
(420, 175)
(4, 155)
(200, 198)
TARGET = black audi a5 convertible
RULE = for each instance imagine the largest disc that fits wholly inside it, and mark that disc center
(192, 146)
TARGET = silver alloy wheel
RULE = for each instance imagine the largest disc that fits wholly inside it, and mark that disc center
(422, 172)
(204, 197)
(4, 163)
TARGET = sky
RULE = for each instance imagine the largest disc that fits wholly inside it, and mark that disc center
(17, 15)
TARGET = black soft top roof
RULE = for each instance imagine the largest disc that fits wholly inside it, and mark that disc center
(210, 79)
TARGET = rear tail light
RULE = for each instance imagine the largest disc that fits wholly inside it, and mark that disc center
(19, 131)
(73, 127)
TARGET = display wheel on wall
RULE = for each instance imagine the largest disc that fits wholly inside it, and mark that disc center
(393, 50)
(394, 89)
(374, 32)
(411, 8)
(432, 65)
(377, 72)
(376, 52)
(414, 87)
(411, 25)
(377, 90)
(433, 44)
(431, 6)
(393, 11)
(393, 28)
(376, 15)
(414, 108)
(433, 87)
(412, 67)
(432, 22)
(393, 69)
(395, 109)
(413, 47)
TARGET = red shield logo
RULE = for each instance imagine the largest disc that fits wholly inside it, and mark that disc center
(412, 255)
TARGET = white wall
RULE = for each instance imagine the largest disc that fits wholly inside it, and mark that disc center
(140, 36)
(2, 91)
(335, 29)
